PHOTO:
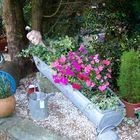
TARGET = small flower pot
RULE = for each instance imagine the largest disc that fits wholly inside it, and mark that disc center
(7, 106)
(130, 108)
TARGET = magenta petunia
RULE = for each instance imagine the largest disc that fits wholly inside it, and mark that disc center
(63, 80)
(81, 48)
(56, 80)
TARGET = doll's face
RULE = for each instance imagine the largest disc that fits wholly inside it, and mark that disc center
(35, 37)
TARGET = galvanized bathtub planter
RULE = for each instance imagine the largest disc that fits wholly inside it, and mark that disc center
(103, 120)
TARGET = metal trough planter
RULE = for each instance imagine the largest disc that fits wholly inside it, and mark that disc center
(104, 120)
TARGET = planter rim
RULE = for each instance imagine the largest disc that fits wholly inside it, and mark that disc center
(130, 103)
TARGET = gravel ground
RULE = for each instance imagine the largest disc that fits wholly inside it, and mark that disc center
(64, 118)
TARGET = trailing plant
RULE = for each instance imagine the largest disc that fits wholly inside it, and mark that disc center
(106, 101)
(129, 78)
(5, 90)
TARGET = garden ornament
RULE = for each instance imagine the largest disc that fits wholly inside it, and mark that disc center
(36, 38)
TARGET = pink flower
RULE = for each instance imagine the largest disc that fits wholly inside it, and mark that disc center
(87, 70)
(80, 61)
(88, 83)
(102, 81)
(92, 62)
(70, 54)
(98, 76)
(106, 62)
(56, 80)
(105, 77)
(55, 64)
(109, 70)
(96, 70)
(101, 68)
(93, 84)
(107, 84)
(108, 75)
(86, 59)
(69, 71)
(83, 66)
(63, 80)
(81, 48)
(54, 76)
(85, 52)
(102, 88)
(96, 56)
(62, 59)
(97, 60)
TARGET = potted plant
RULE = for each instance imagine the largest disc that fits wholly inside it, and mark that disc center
(129, 81)
(7, 100)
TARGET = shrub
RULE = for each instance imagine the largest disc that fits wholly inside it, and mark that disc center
(129, 78)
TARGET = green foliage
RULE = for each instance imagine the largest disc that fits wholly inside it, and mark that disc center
(27, 12)
(4, 88)
(1, 5)
(63, 45)
(129, 78)
(60, 46)
(106, 101)
(90, 20)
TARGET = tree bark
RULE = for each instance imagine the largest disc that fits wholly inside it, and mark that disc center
(37, 11)
(15, 32)
(14, 24)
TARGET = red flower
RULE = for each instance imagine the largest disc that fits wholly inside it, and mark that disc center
(76, 86)
(86, 78)
(80, 76)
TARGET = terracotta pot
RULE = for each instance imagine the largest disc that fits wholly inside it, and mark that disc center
(7, 106)
(130, 112)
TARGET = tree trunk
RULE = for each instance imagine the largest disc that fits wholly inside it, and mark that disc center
(15, 32)
(37, 11)
(14, 24)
